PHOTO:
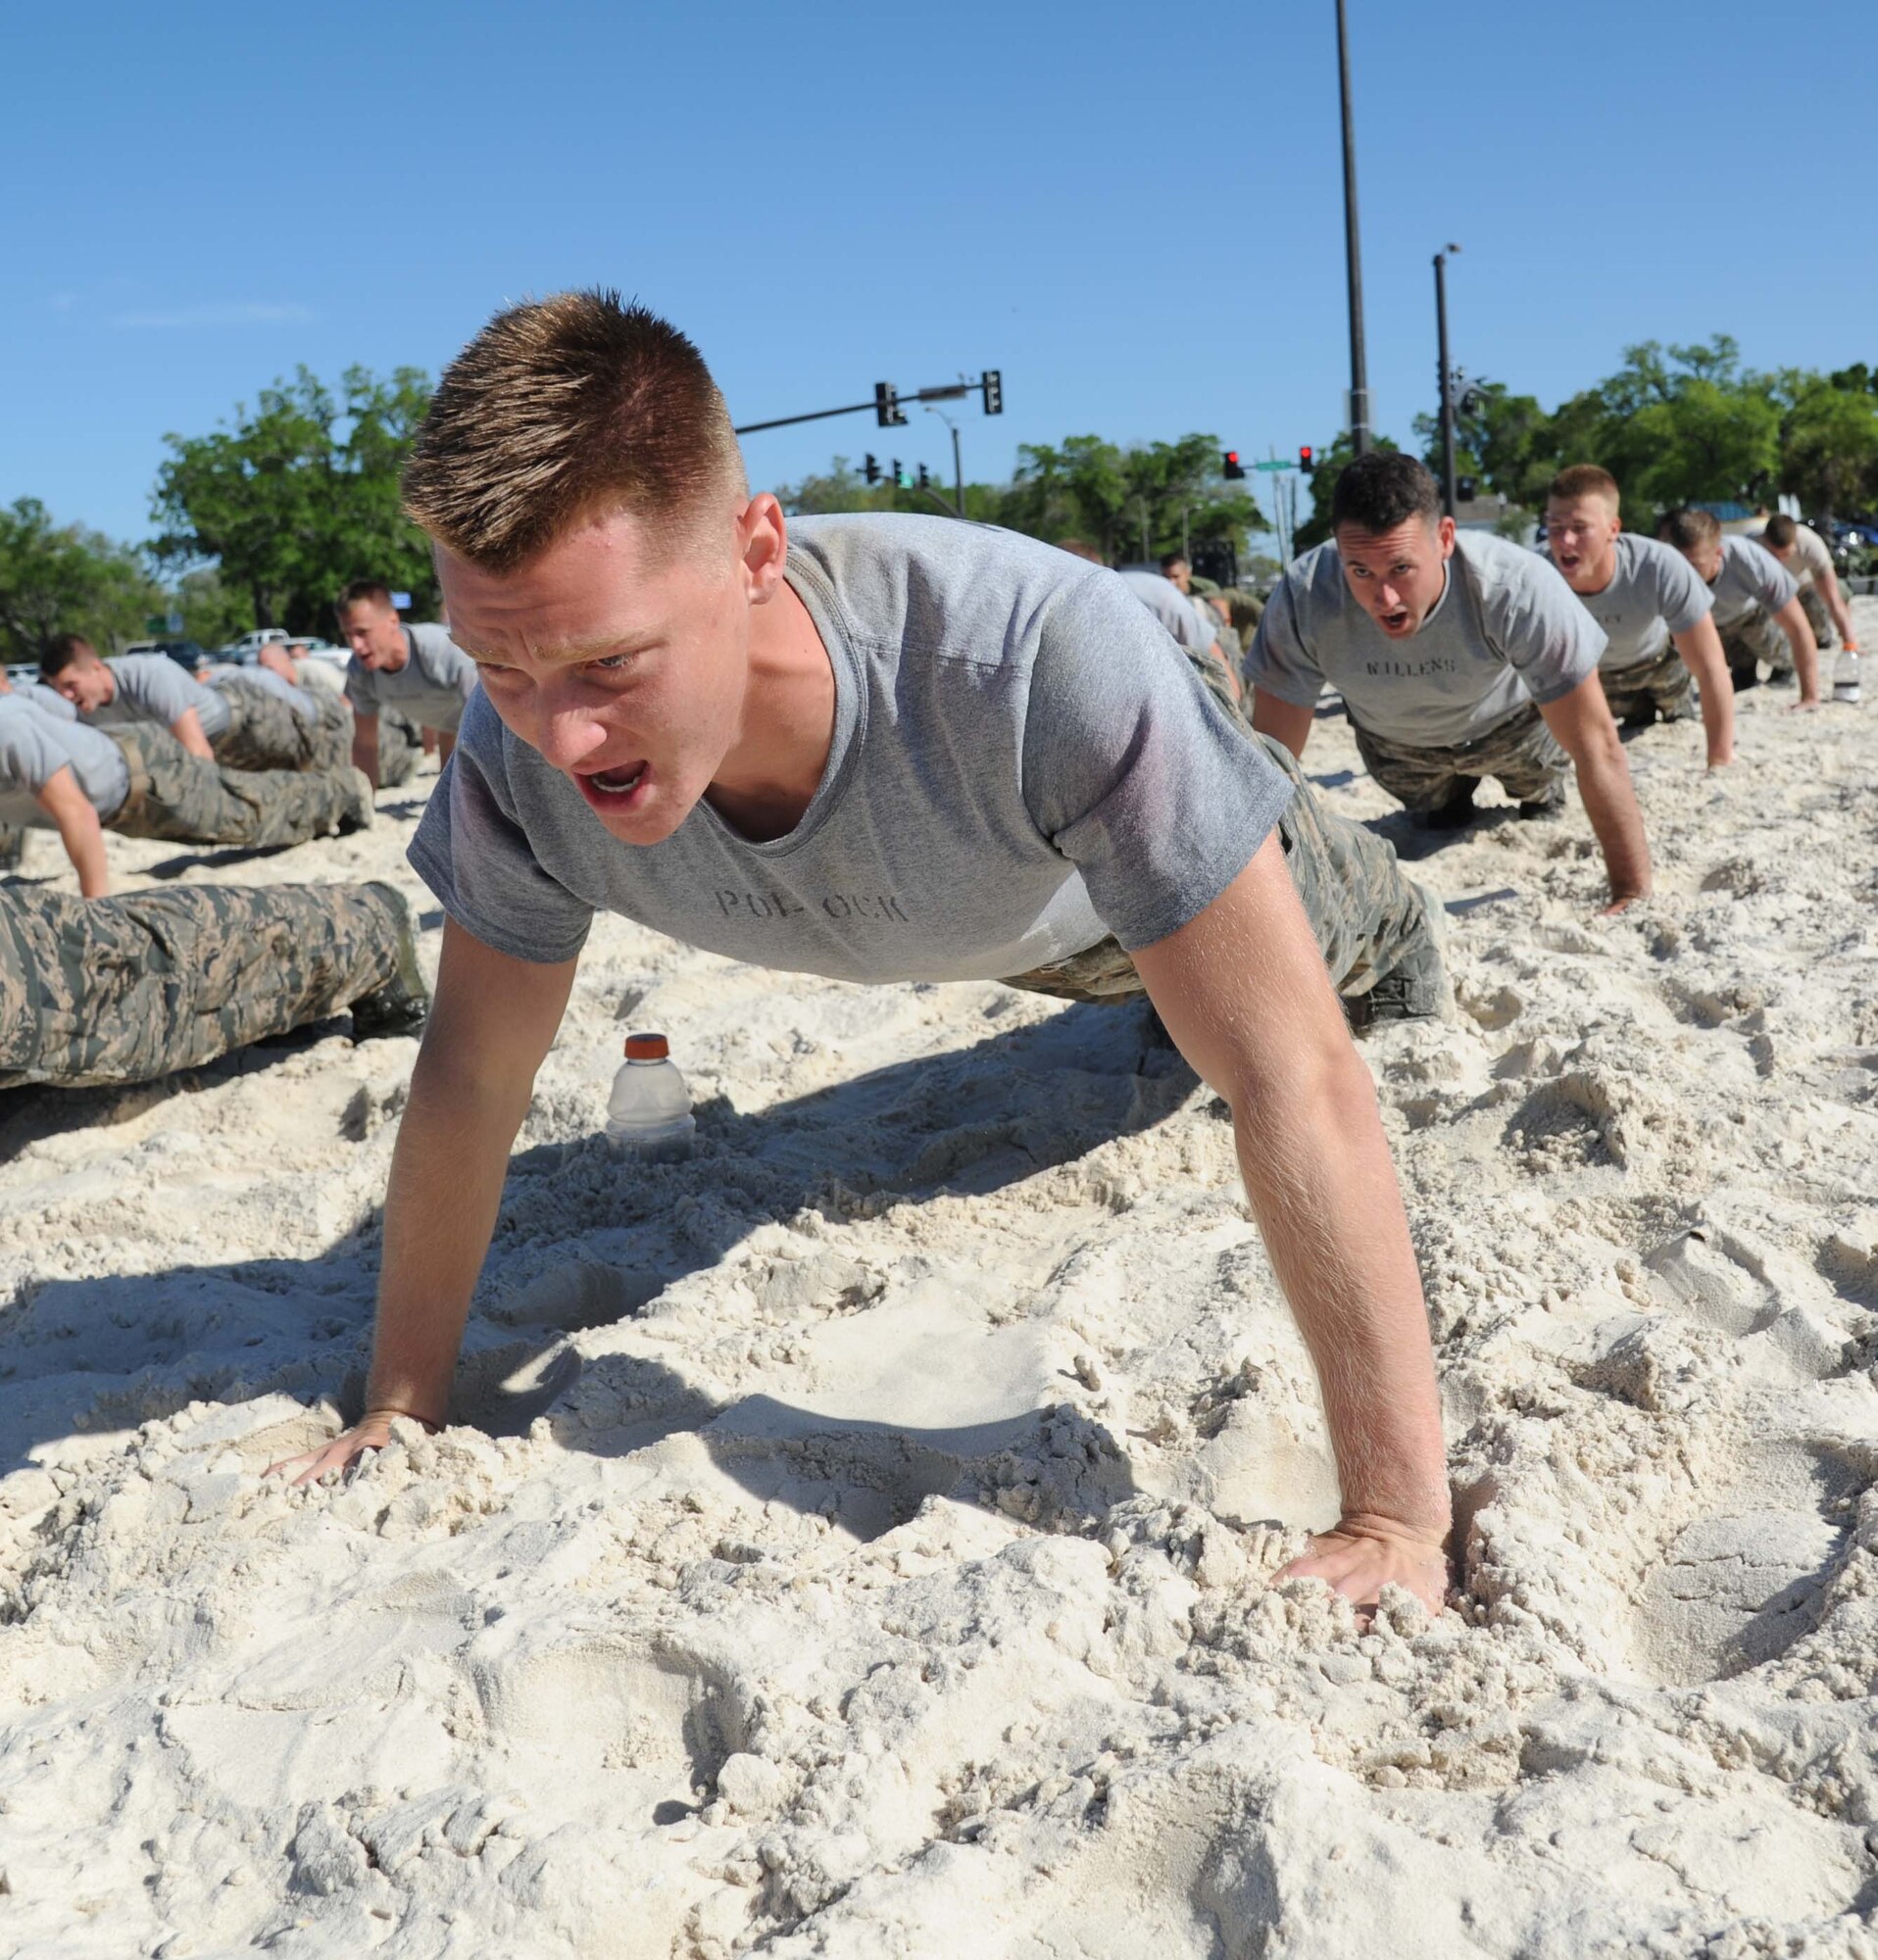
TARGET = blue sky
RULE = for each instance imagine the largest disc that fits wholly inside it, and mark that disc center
(1135, 216)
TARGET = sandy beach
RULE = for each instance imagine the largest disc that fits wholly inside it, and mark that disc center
(854, 1542)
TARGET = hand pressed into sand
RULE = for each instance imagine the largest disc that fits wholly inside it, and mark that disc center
(372, 1432)
(1366, 1552)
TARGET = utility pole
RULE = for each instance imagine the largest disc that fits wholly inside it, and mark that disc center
(958, 467)
(1448, 493)
(1352, 253)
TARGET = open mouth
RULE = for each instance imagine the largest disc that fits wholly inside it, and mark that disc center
(616, 789)
(1396, 622)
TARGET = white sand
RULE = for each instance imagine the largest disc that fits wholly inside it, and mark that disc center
(854, 1542)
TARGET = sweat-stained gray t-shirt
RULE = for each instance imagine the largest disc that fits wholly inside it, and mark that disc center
(1654, 591)
(36, 746)
(1750, 576)
(151, 687)
(433, 686)
(1506, 630)
(1023, 760)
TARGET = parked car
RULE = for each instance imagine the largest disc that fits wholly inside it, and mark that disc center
(190, 654)
(250, 643)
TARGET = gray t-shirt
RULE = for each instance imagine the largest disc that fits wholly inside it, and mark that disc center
(433, 686)
(35, 747)
(1811, 559)
(1750, 576)
(151, 687)
(1654, 591)
(41, 696)
(268, 682)
(1172, 607)
(1508, 630)
(1021, 761)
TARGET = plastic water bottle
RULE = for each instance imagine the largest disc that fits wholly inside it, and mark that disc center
(649, 1112)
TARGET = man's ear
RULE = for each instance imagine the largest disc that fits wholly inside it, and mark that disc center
(1445, 536)
(763, 537)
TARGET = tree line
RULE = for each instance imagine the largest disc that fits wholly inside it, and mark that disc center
(262, 520)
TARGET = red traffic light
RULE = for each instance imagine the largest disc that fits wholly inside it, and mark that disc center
(1230, 467)
(1304, 456)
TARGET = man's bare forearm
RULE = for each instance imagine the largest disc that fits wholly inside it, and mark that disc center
(1835, 598)
(1793, 621)
(365, 748)
(1611, 803)
(440, 1209)
(1318, 1170)
(1700, 650)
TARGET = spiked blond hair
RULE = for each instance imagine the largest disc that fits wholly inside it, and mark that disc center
(562, 409)
(1585, 480)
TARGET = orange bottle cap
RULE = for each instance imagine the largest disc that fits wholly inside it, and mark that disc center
(647, 1047)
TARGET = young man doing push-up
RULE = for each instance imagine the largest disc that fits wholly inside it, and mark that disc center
(876, 748)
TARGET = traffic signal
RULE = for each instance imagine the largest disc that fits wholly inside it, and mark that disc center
(870, 469)
(1304, 454)
(901, 479)
(926, 480)
(993, 384)
(887, 410)
(1234, 468)
(1464, 488)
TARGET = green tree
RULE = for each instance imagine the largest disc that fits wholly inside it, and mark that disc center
(300, 495)
(1829, 448)
(212, 613)
(63, 578)
(1502, 439)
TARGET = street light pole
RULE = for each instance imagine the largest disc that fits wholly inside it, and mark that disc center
(1352, 253)
(957, 468)
(1449, 493)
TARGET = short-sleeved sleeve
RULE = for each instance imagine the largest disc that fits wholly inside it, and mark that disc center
(155, 686)
(1134, 771)
(471, 851)
(1279, 660)
(1680, 594)
(1772, 583)
(362, 689)
(1535, 623)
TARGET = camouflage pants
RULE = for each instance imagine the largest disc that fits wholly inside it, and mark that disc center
(1816, 609)
(1370, 923)
(400, 748)
(1661, 686)
(265, 733)
(126, 990)
(1519, 753)
(1752, 638)
(177, 795)
(12, 846)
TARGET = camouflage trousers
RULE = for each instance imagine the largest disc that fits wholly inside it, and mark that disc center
(1518, 753)
(1752, 638)
(12, 846)
(177, 795)
(400, 748)
(1816, 609)
(265, 733)
(126, 990)
(1660, 686)
(1370, 923)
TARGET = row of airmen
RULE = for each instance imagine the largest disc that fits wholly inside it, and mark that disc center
(98, 989)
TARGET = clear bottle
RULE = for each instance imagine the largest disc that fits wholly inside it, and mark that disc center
(649, 1112)
(1845, 686)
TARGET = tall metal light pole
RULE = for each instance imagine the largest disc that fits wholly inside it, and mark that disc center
(1450, 495)
(1352, 252)
(958, 467)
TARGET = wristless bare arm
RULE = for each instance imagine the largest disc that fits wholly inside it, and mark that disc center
(1244, 994)
(80, 831)
(1581, 721)
(1701, 649)
(1793, 621)
(492, 1021)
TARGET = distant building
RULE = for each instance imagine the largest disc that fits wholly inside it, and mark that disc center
(1499, 515)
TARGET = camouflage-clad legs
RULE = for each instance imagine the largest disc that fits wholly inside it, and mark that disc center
(176, 795)
(1814, 608)
(265, 733)
(1519, 753)
(1662, 686)
(127, 989)
(400, 748)
(12, 846)
(1752, 638)
(1373, 927)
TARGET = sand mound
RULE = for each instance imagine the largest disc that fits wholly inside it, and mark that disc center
(855, 1541)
